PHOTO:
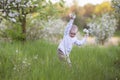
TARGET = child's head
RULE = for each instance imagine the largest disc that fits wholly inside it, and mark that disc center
(73, 31)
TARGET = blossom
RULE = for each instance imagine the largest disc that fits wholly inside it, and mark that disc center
(103, 28)
(18, 1)
(86, 31)
(12, 19)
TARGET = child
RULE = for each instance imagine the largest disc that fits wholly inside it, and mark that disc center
(68, 40)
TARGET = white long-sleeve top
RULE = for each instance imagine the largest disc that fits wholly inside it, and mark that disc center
(67, 42)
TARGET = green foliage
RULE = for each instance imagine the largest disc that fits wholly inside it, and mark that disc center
(14, 33)
(17, 10)
(104, 7)
(38, 61)
(117, 33)
(80, 22)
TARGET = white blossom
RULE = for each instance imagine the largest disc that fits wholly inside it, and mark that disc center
(29, 3)
(11, 14)
(12, 19)
(18, 1)
(49, 31)
(4, 14)
(103, 28)
(10, 1)
(116, 5)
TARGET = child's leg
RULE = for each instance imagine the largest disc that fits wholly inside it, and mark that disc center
(64, 58)
(61, 56)
(68, 61)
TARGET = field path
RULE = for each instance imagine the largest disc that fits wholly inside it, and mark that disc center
(112, 41)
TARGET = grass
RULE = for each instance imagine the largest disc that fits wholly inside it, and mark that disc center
(38, 61)
(117, 33)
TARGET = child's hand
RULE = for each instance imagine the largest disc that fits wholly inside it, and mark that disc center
(87, 32)
(72, 16)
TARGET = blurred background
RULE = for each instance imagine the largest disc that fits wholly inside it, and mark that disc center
(46, 19)
(30, 31)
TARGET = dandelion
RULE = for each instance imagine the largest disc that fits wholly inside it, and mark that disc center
(16, 51)
(36, 57)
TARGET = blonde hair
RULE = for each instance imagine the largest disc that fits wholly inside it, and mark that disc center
(74, 29)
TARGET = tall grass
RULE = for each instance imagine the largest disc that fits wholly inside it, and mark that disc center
(38, 61)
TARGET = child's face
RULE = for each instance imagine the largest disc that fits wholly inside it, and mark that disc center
(72, 33)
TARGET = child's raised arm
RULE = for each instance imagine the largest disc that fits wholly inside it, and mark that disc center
(69, 25)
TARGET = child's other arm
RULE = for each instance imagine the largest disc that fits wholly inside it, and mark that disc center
(81, 42)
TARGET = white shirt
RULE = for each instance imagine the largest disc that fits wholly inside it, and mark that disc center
(67, 42)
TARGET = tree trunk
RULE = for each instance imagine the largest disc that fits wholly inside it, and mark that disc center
(24, 29)
(102, 42)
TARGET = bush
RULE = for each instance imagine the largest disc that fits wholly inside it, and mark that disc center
(103, 28)
(50, 30)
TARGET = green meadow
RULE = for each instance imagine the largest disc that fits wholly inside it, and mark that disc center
(37, 60)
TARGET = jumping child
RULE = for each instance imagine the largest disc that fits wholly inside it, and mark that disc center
(68, 40)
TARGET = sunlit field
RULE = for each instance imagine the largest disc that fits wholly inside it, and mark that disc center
(30, 32)
(38, 61)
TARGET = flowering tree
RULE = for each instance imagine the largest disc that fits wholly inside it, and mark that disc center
(17, 10)
(49, 32)
(102, 28)
(116, 6)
